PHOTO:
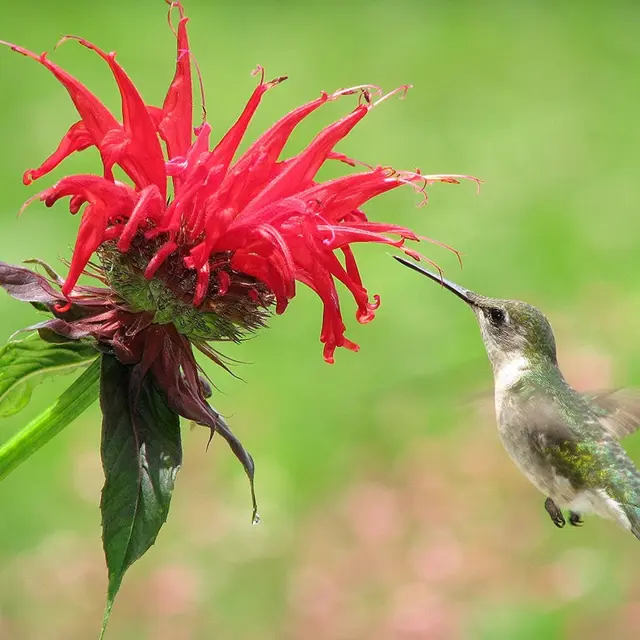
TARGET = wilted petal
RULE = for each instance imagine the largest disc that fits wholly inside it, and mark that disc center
(28, 286)
(176, 372)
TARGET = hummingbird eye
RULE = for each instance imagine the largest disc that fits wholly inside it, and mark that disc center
(497, 316)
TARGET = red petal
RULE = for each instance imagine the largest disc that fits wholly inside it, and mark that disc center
(107, 200)
(90, 237)
(224, 282)
(144, 161)
(221, 157)
(264, 270)
(338, 197)
(161, 255)
(176, 125)
(255, 165)
(77, 138)
(149, 206)
(97, 119)
(89, 188)
(202, 284)
(302, 169)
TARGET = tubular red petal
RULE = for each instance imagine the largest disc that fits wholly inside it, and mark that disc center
(176, 214)
(158, 259)
(89, 188)
(303, 167)
(221, 157)
(262, 268)
(144, 161)
(273, 237)
(90, 237)
(75, 203)
(149, 206)
(177, 110)
(254, 166)
(97, 119)
(341, 157)
(335, 198)
(360, 295)
(194, 175)
(224, 281)
(216, 226)
(62, 308)
(77, 138)
(345, 235)
(202, 284)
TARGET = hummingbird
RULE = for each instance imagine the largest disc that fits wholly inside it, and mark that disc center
(566, 443)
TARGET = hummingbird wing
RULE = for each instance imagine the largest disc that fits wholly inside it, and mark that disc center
(573, 443)
(565, 448)
(617, 410)
(563, 434)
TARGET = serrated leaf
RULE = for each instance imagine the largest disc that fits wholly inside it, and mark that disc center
(22, 362)
(141, 456)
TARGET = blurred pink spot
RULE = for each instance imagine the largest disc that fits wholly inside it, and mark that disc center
(372, 512)
(587, 369)
(174, 589)
(315, 593)
(417, 612)
(631, 616)
(438, 561)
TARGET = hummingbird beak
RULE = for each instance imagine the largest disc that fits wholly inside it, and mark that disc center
(464, 294)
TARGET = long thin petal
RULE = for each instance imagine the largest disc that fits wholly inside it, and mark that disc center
(176, 125)
(97, 119)
(303, 167)
(144, 161)
(255, 165)
(77, 138)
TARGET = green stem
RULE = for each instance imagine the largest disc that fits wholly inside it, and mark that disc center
(76, 399)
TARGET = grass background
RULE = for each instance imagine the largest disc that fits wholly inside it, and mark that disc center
(389, 508)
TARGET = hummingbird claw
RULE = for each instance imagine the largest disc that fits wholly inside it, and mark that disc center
(575, 519)
(555, 513)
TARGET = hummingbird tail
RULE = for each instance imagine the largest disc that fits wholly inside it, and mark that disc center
(633, 514)
(625, 495)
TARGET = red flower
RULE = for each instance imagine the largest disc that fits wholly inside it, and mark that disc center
(247, 228)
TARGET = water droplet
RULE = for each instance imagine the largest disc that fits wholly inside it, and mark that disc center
(256, 518)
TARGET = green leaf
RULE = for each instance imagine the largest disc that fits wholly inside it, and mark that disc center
(76, 399)
(22, 362)
(16, 399)
(141, 456)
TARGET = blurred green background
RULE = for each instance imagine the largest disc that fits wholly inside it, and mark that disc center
(389, 507)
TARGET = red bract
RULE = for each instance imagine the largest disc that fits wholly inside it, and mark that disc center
(257, 215)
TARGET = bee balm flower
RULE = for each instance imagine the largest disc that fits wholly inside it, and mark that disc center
(227, 236)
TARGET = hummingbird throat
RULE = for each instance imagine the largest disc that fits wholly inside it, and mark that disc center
(510, 371)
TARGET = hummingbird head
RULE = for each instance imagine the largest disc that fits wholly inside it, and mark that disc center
(510, 329)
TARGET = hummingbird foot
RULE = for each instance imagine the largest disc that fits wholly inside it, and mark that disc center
(575, 519)
(556, 514)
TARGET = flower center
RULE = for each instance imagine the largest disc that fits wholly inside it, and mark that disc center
(234, 305)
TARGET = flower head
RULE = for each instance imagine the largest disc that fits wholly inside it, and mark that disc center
(206, 240)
